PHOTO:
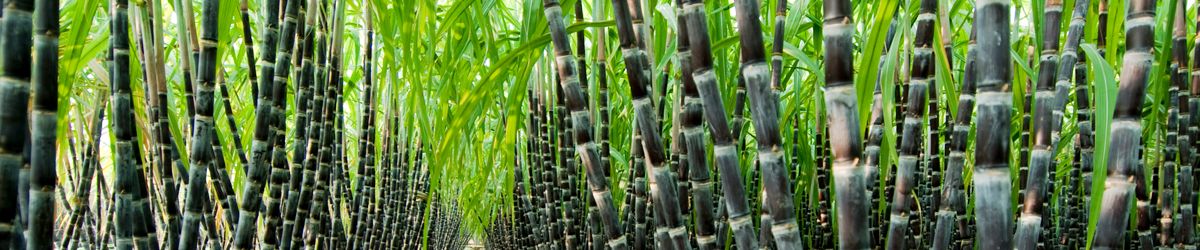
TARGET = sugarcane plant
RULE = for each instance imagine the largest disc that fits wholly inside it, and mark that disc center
(841, 109)
(725, 152)
(201, 153)
(473, 124)
(662, 184)
(1036, 189)
(576, 98)
(904, 196)
(259, 167)
(993, 111)
(951, 229)
(1124, 168)
(1188, 116)
(1165, 199)
(15, 40)
(765, 106)
(693, 137)
(43, 91)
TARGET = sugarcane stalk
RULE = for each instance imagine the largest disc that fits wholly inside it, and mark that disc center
(641, 204)
(260, 156)
(601, 60)
(541, 176)
(366, 167)
(1189, 118)
(148, 33)
(1068, 59)
(992, 184)
(303, 80)
(950, 232)
(553, 171)
(1023, 140)
(15, 43)
(1076, 228)
(574, 211)
(330, 81)
(725, 152)
(932, 166)
(570, 183)
(212, 241)
(327, 165)
(872, 150)
(1124, 167)
(201, 153)
(576, 101)
(190, 52)
(311, 173)
(1179, 72)
(1030, 224)
(765, 109)
(248, 42)
(83, 188)
(143, 35)
(524, 203)
(845, 141)
(231, 121)
(302, 169)
(662, 188)
(640, 32)
(129, 221)
(693, 138)
(535, 161)
(678, 158)
(224, 186)
(1086, 126)
(904, 198)
(279, 174)
(537, 174)
(43, 125)
(822, 225)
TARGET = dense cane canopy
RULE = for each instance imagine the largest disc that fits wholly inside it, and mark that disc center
(599, 124)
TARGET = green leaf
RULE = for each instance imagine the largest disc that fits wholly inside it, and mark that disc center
(1104, 90)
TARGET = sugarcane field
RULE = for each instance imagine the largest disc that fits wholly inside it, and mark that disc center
(599, 124)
